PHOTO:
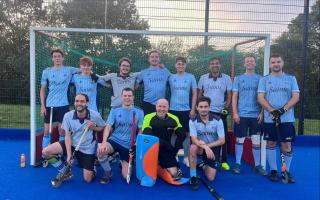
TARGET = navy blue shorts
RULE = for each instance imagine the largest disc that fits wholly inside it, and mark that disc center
(57, 114)
(123, 152)
(86, 161)
(213, 163)
(148, 108)
(183, 118)
(286, 132)
(248, 126)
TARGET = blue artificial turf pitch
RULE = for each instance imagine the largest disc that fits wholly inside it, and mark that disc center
(34, 183)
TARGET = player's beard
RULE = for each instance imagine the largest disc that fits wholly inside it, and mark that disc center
(81, 109)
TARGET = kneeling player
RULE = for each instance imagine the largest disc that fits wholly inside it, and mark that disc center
(162, 125)
(120, 119)
(207, 136)
(74, 123)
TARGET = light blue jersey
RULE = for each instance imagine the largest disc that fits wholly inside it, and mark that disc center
(118, 83)
(57, 80)
(121, 120)
(84, 84)
(72, 123)
(154, 82)
(180, 87)
(208, 132)
(215, 90)
(278, 91)
(247, 86)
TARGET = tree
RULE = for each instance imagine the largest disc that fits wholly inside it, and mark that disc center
(290, 44)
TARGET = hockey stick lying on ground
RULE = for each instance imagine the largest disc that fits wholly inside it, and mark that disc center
(210, 189)
(284, 173)
(133, 130)
(57, 182)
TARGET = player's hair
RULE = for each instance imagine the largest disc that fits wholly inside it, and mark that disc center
(182, 59)
(86, 59)
(57, 51)
(250, 56)
(85, 96)
(127, 89)
(154, 51)
(215, 58)
(275, 55)
(202, 99)
(124, 59)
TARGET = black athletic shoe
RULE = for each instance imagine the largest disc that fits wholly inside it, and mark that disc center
(194, 183)
(291, 178)
(273, 176)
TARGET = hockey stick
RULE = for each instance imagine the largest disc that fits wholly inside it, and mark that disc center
(284, 173)
(133, 130)
(210, 189)
(56, 183)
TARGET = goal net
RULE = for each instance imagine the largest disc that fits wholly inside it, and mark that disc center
(106, 47)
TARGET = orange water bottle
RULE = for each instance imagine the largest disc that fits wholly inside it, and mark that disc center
(23, 160)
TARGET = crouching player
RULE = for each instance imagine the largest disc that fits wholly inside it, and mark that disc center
(207, 136)
(74, 123)
(162, 125)
(120, 120)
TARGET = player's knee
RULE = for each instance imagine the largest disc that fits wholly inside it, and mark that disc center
(271, 144)
(193, 150)
(87, 178)
(255, 139)
(240, 140)
(210, 176)
(46, 152)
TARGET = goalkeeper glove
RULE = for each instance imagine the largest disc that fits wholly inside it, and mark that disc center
(278, 112)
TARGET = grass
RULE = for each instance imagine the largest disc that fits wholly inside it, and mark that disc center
(18, 116)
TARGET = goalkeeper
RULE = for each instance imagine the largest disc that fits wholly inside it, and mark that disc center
(278, 93)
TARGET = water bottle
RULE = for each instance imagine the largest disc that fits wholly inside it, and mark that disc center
(23, 160)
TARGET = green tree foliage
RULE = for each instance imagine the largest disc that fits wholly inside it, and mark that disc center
(17, 16)
(290, 45)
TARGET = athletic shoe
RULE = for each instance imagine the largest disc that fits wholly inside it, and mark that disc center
(106, 177)
(178, 175)
(259, 169)
(273, 176)
(236, 169)
(194, 183)
(186, 161)
(291, 178)
(225, 166)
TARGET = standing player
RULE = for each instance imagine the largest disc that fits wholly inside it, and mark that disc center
(207, 136)
(120, 120)
(181, 84)
(74, 123)
(162, 125)
(247, 113)
(86, 82)
(278, 92)
(154, 81)
(56, 79)
(217, 86)
(119, 81)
